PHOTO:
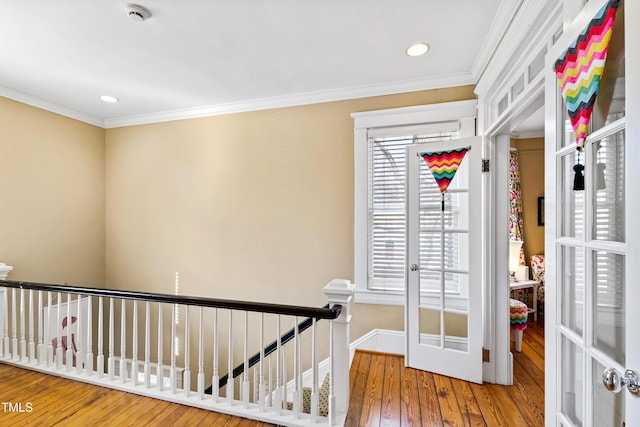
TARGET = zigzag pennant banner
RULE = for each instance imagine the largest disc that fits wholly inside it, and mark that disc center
(579, 69)
(444, 165)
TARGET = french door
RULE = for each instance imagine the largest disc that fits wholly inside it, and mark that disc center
(443, 310)
(591, 250)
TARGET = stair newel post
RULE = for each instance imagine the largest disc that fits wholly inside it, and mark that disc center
(245, 372)
(32, 318)
(100, 357)
(69, 352)
(261, 390)
(339, 292)
(59, 332)
(230, 379)
(278, 392)
(201, 356)
(88, 364)
(147, 345)
(186, 378)
(41, 348)
(79, 356)
(110, 360)
(215, 379)
(134, 345)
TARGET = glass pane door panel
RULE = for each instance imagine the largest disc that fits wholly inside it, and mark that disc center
(608, 206)
(431, 250)
(571, 202)
(572, 282)
(456, 207)
(608, 408)
(609, 297)
(571, 389)
(430, 321)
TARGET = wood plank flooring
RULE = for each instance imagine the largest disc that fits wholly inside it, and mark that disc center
(47, 400)
(385, 393)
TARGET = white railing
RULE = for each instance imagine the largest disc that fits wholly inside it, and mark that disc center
(130, 341)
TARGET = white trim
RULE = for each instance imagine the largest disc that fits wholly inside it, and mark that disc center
(291, 100)
(507, 11)
(462, 111)
(50, 106)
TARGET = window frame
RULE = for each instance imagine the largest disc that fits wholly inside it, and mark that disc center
(462, 111)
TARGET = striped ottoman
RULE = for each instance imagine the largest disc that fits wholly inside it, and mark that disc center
(519, 313)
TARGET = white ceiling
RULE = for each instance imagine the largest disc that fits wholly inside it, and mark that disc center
(201, 57)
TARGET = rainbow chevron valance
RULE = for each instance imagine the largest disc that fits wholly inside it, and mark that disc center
(444, 165)
(579, 69)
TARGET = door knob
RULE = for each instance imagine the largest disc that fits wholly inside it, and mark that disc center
(614, 381)
(414, 267)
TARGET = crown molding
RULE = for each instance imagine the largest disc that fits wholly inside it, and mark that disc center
(507, 11)
(50, 106)
(316, 97)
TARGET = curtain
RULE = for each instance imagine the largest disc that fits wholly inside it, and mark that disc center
(515, 202)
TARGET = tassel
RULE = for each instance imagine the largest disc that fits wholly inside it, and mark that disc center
(578, 179)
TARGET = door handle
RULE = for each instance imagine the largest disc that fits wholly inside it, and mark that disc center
(414, 267)
(614, 381)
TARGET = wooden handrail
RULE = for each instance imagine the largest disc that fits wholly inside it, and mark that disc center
(260, 307)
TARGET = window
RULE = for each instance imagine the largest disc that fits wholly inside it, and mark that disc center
(380, 139)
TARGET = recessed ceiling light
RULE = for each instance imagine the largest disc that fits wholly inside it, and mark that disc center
(417, 49)
(108, 98)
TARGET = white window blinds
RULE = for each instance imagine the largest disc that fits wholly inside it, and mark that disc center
(386, 194)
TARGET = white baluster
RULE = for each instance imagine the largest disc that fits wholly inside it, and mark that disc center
(332, 397)
(269, 393)
(100, 357)
(111, 363)
(278, 391)
(14, 325)
(59, 333)
(147, 346)
(23, 341)
(285, 394)
(245, 373)
(88, 363)
(47, 330)
(314, 367)
(41, 347)
(160, 368)
(172, 370)
(215, 379)
(186, 378)
(32, 318)
(296, 369)
(261, 390)
(123, 341)
(201, 357)
(80, 344)
(69, 352)
(5, 335)
(134, 344)
(230, 379)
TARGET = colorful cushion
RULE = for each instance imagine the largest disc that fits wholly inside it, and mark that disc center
(537, 270)
(519, 313)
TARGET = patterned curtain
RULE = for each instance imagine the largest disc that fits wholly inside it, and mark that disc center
(515, 202)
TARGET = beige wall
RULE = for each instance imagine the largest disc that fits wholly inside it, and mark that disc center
(531, 160)
(52, 192)
(256, 205)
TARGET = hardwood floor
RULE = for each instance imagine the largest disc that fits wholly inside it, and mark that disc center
(385, 393)
(32, 398)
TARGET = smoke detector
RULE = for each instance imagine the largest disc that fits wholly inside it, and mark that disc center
(137, 12)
